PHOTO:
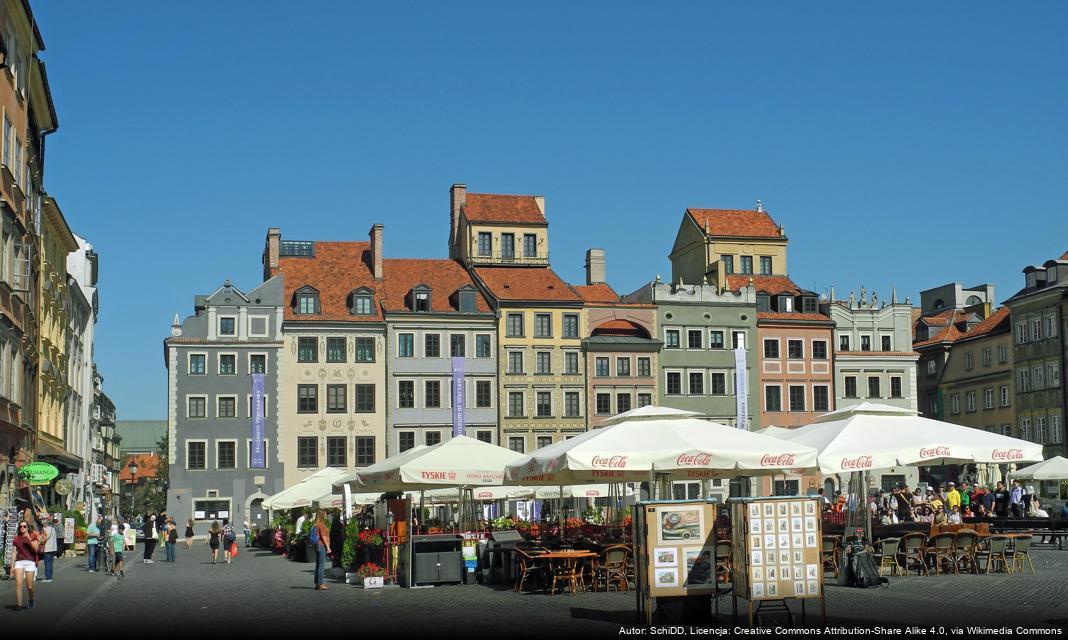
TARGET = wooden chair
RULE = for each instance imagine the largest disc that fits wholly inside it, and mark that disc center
(941, 548)
(965, 549)
(914, 546)
(997, 549)
(723, 558)
(569, 572)
(830, 553)
(528, 565)
(887, 552)
(612, 568)
(1020, 548)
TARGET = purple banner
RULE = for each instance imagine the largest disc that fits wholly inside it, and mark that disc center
(258, 457)
(459, 398)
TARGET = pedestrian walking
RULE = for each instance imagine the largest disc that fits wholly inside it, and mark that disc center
(214, 533)
(171, 539)
(92, 539)
(118, 543)
(151, 538)
(229, 539)
(129, 535)
(27, 545)
(189, 534)
(248, 532)
(48, 539)
(320, 537)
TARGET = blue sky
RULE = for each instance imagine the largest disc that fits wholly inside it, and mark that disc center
(898, 145)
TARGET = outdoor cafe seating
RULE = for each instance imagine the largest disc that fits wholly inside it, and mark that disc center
(950, 551)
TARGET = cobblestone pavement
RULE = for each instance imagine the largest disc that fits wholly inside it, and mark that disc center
(263, 592)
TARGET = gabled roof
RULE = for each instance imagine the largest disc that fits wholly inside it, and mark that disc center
(738, 223)
(443, 277)
(772, 285)
(489, 207)
(596, 292)
(997, 320)
(336, 269)
(516, 283)
(949, 334)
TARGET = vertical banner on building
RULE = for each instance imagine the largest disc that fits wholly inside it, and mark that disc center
(259, 460)
(741, 387)
(459, 398)
(348, 502)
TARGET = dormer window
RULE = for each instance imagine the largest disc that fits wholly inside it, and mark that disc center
(808, 304)
(419, 298)
(362, 302)
(466, 300)
(763, 302)
(307, 301)
(786, 304)
(1032, 279)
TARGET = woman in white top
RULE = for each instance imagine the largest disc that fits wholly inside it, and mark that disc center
(129, 535)
(1035, 509)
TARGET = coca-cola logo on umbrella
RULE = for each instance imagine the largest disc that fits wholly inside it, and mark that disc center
(935, 452)
(701, 459)
(1007, 454)
(859, 462)
(781, 460)
(610, 462)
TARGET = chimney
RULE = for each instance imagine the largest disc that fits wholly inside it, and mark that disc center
(376, 250)
(271, 252)
(457, 199)
(595, 266)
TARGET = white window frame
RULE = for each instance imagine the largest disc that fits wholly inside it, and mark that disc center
(1004, 393)
(988, 398)
(743, 342)
(266, 324)
(189, 363)
(237, 454)
(266, 452)
(763, 349)
(955, 403)
(830, 399)
(266, 405)
(416, 396)
(552, 402)
(704, 387)
(508, 403)
(1025, 429)
(1053, 375)
(202, 396)
(764, 399)
(207, 463)
(218, 363)
(218, 326)
(970, 401)
(237, 413)
(266, 360)
(786, 354)
(682, 383)
(1040, 429)
(1056, 429)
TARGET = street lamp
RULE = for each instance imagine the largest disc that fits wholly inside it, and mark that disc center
(133, 484)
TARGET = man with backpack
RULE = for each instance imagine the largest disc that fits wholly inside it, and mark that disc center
(320, 539)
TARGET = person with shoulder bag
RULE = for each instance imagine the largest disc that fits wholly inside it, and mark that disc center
(320, 538)
(27, 545)
(229, 539)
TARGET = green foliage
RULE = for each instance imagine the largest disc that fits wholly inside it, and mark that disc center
(348, 550)
(79, 518)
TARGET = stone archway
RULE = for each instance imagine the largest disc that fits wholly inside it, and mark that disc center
(254, 510)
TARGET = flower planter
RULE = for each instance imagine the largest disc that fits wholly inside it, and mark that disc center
(371, 583)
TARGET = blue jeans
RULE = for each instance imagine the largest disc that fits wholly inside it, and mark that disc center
(91, 555)
(320, 563)
(49, 556)
(168, 548)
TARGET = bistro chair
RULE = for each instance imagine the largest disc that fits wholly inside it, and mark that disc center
(567, 571)
(830, 552)
(528, 565)
(942, 551)
(1020, 549)
(613, 568)
(914, 546)
(997, 548)
(887, 551)
(723, 558)
(965, 549)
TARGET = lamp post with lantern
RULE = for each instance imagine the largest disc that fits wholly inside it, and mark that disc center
(133, 485)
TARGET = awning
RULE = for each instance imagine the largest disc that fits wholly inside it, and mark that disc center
(47, 452)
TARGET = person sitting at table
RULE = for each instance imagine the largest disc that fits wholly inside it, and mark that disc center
(940, 516)
(1034, 508)
(954, 515)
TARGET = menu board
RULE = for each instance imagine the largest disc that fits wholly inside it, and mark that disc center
(9, 525)
(675, 543)
(776, 544)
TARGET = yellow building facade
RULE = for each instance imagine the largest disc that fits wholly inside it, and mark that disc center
(715, 243)
(53, 313)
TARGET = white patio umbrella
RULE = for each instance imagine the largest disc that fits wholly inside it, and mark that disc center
(458, 462)
(1055, 468)
(480, 494)
(578, 491)
(877, 436)
(772, 430)
(303, 493)
(333, 500)
(657, 440)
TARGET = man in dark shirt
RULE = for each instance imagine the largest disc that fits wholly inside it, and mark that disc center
(1001, 500)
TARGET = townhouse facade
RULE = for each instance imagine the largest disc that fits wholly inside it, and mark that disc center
(1039, 313)
(334, 355)
(435, 315)
(621, 351)
(713, 244)
(211, 357)
(873, 356)
(83, 306)
(977, 381)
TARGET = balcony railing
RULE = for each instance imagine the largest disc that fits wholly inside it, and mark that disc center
(499, 257)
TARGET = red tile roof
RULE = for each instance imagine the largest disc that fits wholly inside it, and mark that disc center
(444, 277)
(999, 318)
(596, 292)
(522, 283)
(808, 317)
(489, 207)
(949, 334)
(773, 285)
(147, 467)
(735, 223)
(336, 270)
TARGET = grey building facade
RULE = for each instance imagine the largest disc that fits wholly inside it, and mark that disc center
(210, 358)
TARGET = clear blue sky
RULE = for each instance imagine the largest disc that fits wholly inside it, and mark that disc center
(908, 147)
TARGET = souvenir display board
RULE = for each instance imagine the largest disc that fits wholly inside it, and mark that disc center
(675, 550)
(9, 524)
(776, 548)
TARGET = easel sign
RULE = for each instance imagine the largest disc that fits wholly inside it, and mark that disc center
(777, 544)
(675, 550)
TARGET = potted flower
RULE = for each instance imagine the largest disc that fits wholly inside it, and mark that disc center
(370, 538)
(371, 576)
(80, 535)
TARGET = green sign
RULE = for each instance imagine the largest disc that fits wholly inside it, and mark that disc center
(39, 472)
